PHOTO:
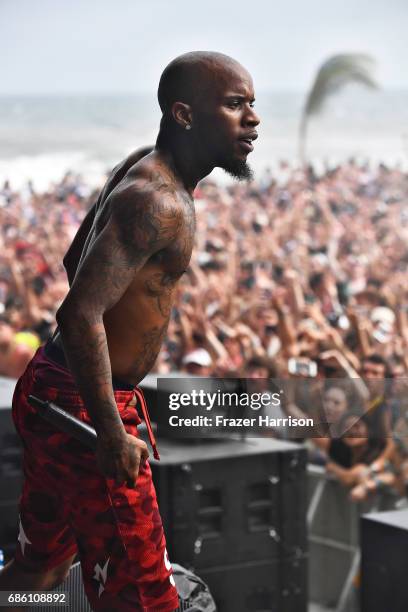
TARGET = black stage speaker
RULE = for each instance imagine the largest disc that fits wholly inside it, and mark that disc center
(234, 511)
(384, 548)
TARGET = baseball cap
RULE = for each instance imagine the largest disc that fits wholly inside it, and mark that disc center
(199, 356)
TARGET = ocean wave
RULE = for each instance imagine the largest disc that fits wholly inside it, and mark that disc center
(46, 168)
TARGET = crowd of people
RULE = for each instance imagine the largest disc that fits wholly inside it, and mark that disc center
(295, 275)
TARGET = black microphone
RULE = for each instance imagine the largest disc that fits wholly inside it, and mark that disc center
(65, 422)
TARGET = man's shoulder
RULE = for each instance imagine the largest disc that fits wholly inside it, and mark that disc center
(146, 198)
(150, 175)
(147, 185)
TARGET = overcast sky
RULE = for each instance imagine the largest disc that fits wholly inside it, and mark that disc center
(64, 46)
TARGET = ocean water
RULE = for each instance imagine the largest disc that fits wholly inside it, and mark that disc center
(42, 137)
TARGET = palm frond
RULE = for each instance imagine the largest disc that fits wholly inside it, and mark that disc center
(333, 75)
(336, 72)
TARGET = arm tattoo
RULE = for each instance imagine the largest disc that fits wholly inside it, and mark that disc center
(139, 225)
(87, 354)
(147, 227)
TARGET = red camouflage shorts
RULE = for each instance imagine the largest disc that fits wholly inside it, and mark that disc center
(68, 507)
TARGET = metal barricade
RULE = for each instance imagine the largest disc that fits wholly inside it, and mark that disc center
(334, 540)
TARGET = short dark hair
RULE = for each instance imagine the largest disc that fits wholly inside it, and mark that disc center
(380, 360)
(262, 362)
(175, 84)
(180, 80)
(375, 358)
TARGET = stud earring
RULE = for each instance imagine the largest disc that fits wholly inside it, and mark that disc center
(188, 126)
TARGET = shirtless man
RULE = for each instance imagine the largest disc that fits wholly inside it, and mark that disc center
(123, 267)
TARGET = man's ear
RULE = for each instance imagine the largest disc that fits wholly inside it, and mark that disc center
(182, 114)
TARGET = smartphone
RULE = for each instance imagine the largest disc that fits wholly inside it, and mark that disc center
(298, 367)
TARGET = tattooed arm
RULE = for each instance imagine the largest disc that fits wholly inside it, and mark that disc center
(140, 225)
(73, 255)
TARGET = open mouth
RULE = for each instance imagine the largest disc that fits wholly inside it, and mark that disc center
(246, 145)
(246, 142)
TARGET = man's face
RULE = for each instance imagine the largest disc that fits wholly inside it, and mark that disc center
(226, 120)
(373, 374)
(400, 380)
